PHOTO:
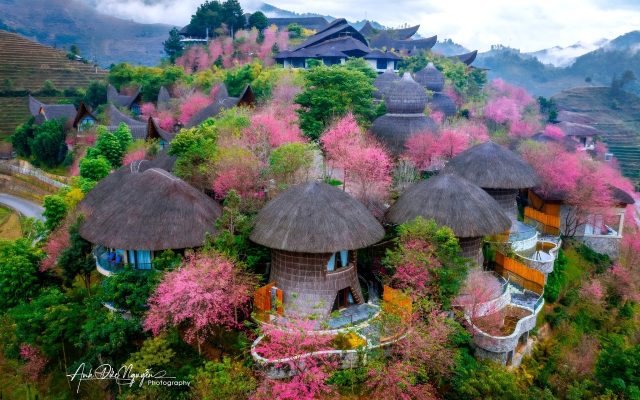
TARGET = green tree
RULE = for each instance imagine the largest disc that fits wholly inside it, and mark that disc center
(329, 93)
(94, 169)
(18, 272)
(22, 138)
(123, 134)
(288, 160)
(129, 289)
(224, 380)
(55, 210)
(108, 336)
(209, 15)
(155, 354)
(51, 321)
(49, 89)
(109, 146)
(618, 366)
(233, 16)
(359, 64)
(173, 47)
(77, 259)
(295, 30)
(48, 145)
(258, 20)
(96, 94)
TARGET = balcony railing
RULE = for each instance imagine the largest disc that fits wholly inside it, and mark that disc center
(108, 266)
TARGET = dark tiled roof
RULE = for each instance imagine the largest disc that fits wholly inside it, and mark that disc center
(155, 132)
(163, 96)
(83, 111)
(116, 117)
(385, 40)
(618, 195)
(382, 55)
(122, 100)
(51, 111)
(337, 28)
(466, 58)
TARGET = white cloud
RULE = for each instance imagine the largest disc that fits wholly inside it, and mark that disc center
(526, 24)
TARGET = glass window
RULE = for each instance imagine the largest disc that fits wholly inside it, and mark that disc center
(602, 225)
(381, 64)
(331, 265)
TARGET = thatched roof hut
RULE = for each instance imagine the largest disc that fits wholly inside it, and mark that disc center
(153, 211)
(454, 202)
(430, 77)
(405, 96)
(106, 187)
(444, 104)
(316, 218)
(394, 129)
(383, 81)
(492, 166)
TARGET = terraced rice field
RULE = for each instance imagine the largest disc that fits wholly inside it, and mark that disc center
(26, 65)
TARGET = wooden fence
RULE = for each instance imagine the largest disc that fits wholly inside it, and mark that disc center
(550, 223)
(526, 277)
(262, 302)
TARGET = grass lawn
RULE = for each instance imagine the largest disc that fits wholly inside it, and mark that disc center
(9, 224)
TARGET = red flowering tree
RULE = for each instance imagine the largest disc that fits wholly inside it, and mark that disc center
(291, 345)
(366, 166)
(192, 105)
(237, 168)
(583, 183)
(36, 361)
(57, 241)
(207, 294)
(478, 295)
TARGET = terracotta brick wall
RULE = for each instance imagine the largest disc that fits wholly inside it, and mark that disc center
(307, 285)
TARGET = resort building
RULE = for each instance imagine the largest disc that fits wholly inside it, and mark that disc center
(46, 112)
(396, 39)
(141, 210)
(602, 232)
(454, 202)
(406, 101)
(222, 102)
(131, 101)
(334, 45)
(84, 118)
(314, 231)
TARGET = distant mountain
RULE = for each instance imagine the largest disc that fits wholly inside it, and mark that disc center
(565, 56)
(105, 39)
(595, 68)
(448, 47)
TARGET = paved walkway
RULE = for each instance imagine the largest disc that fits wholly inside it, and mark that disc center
(25, 207)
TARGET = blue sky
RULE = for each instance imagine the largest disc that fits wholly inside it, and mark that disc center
(477, 24)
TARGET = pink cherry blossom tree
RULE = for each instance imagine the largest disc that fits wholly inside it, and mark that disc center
(36, 361)
(57, 241)
(291, 343)
(479, 294)
(206, 295)
(192, 105)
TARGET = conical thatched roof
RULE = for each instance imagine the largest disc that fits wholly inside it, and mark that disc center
(452, 201)
(492, 166)
(431, 78)
(394, 129)
(443, 103)
(316, 218)
(152, 210)
(383, 81)
(405, 96)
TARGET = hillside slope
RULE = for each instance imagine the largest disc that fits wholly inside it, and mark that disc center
(617, 116)
(105, 39)
(25, 66)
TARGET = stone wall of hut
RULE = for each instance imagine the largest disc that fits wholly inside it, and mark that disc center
(472, 248)
(308, 288)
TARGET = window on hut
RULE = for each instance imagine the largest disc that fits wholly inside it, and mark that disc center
(381, 64)
(338, 260)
